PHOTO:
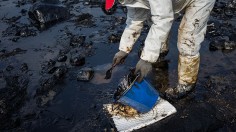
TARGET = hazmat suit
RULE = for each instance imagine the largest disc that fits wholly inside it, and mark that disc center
(191, 33)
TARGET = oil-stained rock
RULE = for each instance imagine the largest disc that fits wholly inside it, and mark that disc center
(24, 67)
(77, 61)
(18, 30)
(48, 83)
(51, 62)
(85, 74)
(47, 13)
(229, 45)
(213, 29)
(84, 19)
(5, 54)
(77, 40)
(114, 38)
(222, 45)
(51, 70)
(62, 58)
(60, 72)
(13, 92)
(25, 32)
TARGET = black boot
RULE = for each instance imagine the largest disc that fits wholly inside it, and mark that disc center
(179, 92)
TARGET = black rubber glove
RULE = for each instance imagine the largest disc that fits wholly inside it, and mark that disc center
(142, 68)
(119, 58)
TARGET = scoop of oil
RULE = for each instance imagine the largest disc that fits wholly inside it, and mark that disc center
(123, 110)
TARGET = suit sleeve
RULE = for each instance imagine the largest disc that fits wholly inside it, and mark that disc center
(162, 16)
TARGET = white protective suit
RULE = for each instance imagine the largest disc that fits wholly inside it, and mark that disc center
(191, 31)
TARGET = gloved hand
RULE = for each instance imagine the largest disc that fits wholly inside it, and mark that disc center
(142, 68)
(119, 58)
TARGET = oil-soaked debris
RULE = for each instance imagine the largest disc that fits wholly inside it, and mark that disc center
(49, 67)
(92, 3)
(51, 62)
(6, 54)
(120, 20)
(77, 40)
(51, 70)
(48, 88)
(213, 29)
(44, 14)
(60, 72)
(222, 45)
(13, 92)
(84, 20)
(123, 110)
(62, 58)
(23, 12)
(11, 20)
(25, 32)
(15, 39)
(20, 3)
(220, 91)
(85, 74)
(19, 30)
(77, 61)
(9, 68)
(114, 38)
(224, 10)
(115, 20)
(24, 67)
(124, 84)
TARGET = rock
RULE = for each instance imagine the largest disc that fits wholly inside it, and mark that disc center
(62, 58)
(25, 32)
(84, 19)
(51, 62)
(213, 29)
(114, 38)
(216, 45)
(223, 45)
(229, 45)
(228, 12)
(51, 70)
(77, 61)
(9, 68)
(85, 74)
(15, 39)
(24, 67)
(60, 72)
(77, 40)
(47, 13)
(23, 12)
(5, 54)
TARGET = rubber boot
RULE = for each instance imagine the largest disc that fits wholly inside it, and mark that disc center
(188, 67)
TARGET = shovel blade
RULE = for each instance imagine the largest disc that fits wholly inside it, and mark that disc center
(108, 74)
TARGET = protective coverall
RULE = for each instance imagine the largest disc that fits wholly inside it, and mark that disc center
(190, 34)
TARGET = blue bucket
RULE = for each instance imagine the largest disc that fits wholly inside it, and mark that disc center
(140, 96)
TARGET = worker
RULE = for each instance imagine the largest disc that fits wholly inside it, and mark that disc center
(191, 34)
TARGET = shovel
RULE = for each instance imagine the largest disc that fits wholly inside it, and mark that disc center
(109, 72)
